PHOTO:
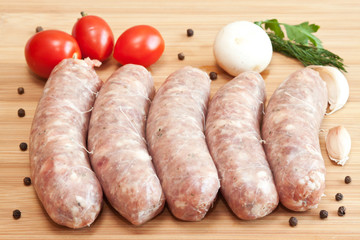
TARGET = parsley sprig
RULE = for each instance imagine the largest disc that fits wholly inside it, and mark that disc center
(301, 43)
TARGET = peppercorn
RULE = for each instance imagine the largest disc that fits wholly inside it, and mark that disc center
(190, 32)
(20, 90)
(21, 112)
(181, 56)
(347, 179)
(213, 75)
(323, 214)
(27, 181)
(16, 214)
(23, 146)
(341, 211)
(339, 197)
(293, 221)
(39, 29)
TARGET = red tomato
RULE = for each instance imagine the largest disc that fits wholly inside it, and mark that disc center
(140, 44)
(47, 48)
(94, 36)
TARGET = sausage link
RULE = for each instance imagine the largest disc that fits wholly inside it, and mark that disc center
(63, 179)
(290, 130)
(120, 157)
(175, 133)
(233, 137)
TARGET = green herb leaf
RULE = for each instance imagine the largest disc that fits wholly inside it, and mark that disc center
(274, 25)
(307, 55)
(302, 33)
(298, 45)
(258, 23)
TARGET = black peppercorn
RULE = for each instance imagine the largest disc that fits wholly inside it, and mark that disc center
(23, 146)
(213, 75)
(339, 197)
(181, 56)
(323, 214)
(293, 221)
(190, 32)
(27, 181)
(21, 112)
(341, 211)
(16, 214)
(39, 29)
(20, 90)
(347, 179)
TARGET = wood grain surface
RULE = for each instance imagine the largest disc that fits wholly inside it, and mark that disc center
(340, 33)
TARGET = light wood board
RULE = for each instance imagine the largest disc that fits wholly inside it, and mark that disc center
(340, 33)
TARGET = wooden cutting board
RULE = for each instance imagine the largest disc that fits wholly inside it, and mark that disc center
(340, 33)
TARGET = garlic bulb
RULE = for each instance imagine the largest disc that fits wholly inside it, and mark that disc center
(337, 85)
(338, 144)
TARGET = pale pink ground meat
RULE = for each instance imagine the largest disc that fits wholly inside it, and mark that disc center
(291, 131)
(233, 137)
(119, 151)
(61, 173)
(175, 134)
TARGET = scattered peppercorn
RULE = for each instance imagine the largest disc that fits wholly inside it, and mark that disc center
(190, 32)
(213, 75)
(21, 112)
(39, 29)
(27, 181)
(181, 56)
(341, 211)
(23, 146)
(347, 179)
(16, 214)
(21, 90)
(339, 197)
(293, 221)
(323, 214)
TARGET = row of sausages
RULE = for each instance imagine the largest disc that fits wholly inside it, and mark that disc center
(145, 148)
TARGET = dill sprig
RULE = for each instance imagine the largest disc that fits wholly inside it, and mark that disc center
(300, 43)
(307, 55)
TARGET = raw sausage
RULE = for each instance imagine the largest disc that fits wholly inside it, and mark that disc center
(175, 133)
(119, 156)
(63, 179)
(290, 130)
(233, 137)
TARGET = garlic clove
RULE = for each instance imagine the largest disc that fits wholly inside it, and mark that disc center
(337, 85)
(338, 144)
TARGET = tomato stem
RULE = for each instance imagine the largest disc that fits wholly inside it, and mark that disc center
(83, 14)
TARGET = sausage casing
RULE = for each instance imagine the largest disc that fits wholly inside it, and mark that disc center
(119, 156)
(233, 136)
(175, 133)
(63, 179)
(291, 133)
